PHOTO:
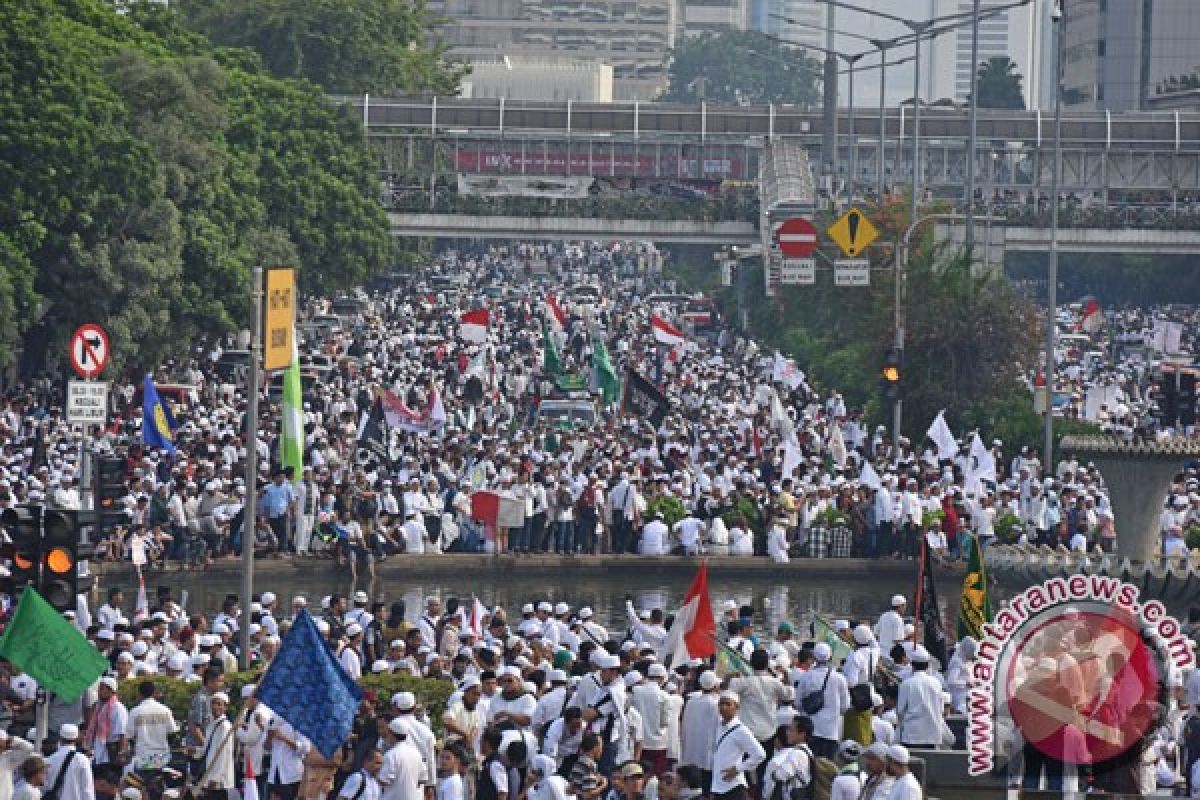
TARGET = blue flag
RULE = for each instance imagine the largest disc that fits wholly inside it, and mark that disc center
(308, 687)
(158, 423)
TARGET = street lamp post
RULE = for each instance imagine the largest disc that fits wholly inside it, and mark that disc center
(918, 28)
(882, 45)
(1059, 27)
(851, 60)
(973, 123)
(900, 294)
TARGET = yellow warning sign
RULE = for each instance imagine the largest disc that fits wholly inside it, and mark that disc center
(853, 232)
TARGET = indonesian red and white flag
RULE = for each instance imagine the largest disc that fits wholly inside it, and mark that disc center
(694, 632)
(665, 332)
(473, 326)
(250, 785)
(1093, 316)
(142, 609)
(472, 617)
(553, 310)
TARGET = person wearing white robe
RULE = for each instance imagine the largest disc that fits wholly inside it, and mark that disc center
(919, 706)
(697, 730)
(77, 781)
(218, 775)
(777, 547)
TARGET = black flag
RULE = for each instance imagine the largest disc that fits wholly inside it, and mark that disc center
(373, 431)
(643, 399)
(929, 616)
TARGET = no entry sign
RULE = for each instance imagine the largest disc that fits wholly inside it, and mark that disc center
(797, 238)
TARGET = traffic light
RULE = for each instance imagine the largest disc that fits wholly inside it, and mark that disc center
(22, 524)
(110, 490)
(60, 556)
(45, 551)
(892, 374)
(1187, 399)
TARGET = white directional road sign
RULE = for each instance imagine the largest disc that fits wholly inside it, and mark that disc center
(87, 402)
(852, 272)
(798, 271)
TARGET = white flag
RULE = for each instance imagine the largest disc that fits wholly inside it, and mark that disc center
(784, 371)
(837, 445)
(793, 457)
(940, 433)
(780, 420)
(983, 463)
(869, 477)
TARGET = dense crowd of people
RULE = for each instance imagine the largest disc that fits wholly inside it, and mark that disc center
(741, 457)
(544, 703)
(747, 459)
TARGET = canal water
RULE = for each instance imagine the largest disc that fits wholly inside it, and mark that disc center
(774, 600)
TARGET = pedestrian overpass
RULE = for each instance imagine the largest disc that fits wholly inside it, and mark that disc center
(1106, 156)
(667, 231)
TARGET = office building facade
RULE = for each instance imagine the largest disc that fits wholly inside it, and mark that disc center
(634, 37)
(1119, 54)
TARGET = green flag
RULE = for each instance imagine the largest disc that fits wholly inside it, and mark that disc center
(50, 649)
(551, 364)
(605, 373)
(824, 632)
(730, 661)
(291, 446)
(975, 607)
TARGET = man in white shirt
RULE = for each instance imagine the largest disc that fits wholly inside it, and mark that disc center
(906, 786)
(418, 735)
(735, 752)
(351, 655)
(890, 628)
(364, 784)
(699, 724)
(654, 537)
(403, 770)
(150, 725)
(650, 700)
(919, 707)
(827, 722)
(76, 781)
(288, 749)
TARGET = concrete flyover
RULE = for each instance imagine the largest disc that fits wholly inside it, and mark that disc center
(1084, 240)
(667, 231)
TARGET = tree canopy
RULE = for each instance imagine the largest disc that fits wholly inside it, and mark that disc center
(740, 67)
(999, 84)
(356, 46)
(146, 172)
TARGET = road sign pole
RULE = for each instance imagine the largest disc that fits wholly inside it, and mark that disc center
(249, 517)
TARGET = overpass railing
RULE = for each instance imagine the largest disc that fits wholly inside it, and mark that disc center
(726, 206)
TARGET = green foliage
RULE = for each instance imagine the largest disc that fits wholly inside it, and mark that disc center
(832, 517)
(999, 84)
(744, 513)
(348, 46)
(177, 695)
(432, 694)
(670, 506)
(1009, 528)
(1010, 418)
(1192, 537)
(740, 67)
(146, 172)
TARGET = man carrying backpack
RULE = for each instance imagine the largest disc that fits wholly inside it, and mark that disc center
(822, 694)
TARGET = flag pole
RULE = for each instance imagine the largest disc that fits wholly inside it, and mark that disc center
(919, 594)
(250, 510)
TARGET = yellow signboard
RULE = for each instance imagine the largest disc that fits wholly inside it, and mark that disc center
(853, 232)
(280, 324)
